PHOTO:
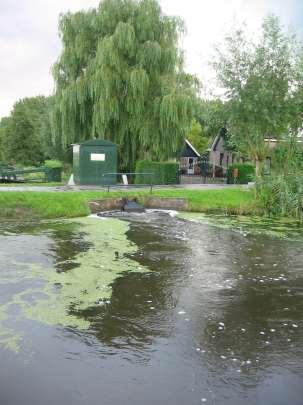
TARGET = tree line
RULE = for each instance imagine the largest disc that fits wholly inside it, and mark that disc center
(27, 135)
(121, 77)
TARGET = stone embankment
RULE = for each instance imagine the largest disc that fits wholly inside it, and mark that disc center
(111, 204)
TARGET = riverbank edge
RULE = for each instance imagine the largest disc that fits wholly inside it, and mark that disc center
(32, 205)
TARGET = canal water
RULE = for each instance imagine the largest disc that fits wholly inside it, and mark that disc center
(151, 309)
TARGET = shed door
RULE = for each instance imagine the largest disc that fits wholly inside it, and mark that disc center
(192, 161)
(95, 162)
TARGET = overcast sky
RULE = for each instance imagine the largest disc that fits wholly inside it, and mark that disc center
(29, 42)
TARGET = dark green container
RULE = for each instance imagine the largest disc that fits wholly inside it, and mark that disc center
(53, 174)
(93, 161)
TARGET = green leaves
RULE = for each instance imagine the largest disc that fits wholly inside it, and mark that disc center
(282, 196)
(120, 77)
(260, 82)
(197, 138)
(26, 136)
(125, 39)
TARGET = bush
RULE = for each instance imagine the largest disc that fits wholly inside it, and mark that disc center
(281, 196)
(163, 172)
(53, 164)
(246, 173)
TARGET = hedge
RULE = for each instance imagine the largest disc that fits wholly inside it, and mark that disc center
(246, 173)
(53, 164)
(163, 172)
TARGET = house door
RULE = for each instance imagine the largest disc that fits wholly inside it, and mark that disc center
(191, 168)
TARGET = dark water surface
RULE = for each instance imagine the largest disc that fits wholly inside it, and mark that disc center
(215, 317)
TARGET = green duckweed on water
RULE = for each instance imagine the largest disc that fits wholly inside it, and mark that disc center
(61, 297)
(280, 228)
(9, 338)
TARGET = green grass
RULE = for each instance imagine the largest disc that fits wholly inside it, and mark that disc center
(48, 205)
(231, 200)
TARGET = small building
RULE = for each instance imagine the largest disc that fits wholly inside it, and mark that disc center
(219, 154)
(92, 160)
(190, 160)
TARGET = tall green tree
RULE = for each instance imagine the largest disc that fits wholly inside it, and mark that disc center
(120, 77)
(20, 142)
(212, 116)
(260, 80)
(50, 138)
(4, 132)
(197, 138)
(25, 136)
(209, 121)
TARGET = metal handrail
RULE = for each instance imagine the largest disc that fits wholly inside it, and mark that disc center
(129, 185)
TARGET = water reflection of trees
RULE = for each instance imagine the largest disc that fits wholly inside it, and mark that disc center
(140, 307)
(218, 275)
(69, 241)
(139, 310)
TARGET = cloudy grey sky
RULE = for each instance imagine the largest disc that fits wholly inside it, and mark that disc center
(29, 42)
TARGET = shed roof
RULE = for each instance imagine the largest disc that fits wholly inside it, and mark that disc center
(189, 150)
(96, 142)
(192, 147)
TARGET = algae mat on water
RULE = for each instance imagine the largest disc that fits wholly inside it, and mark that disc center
(60, 298)
(280, 228)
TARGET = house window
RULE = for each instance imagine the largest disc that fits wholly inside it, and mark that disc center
(221, 159)
(227, 161)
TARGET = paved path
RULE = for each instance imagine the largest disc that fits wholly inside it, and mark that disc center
(94, 188)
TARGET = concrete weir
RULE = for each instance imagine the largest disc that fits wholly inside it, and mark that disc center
(114, 204)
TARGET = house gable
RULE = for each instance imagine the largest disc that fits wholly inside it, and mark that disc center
(219, 141)
(219, 154)
(189, 150)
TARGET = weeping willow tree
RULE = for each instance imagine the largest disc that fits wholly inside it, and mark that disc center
(120, 77)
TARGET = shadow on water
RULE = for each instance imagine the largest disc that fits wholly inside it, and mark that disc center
(216, 318)
(140, 305)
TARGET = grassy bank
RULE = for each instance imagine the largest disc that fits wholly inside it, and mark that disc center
(47, 205)
(227, 200)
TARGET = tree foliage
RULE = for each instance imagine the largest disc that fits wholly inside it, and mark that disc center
(282, 195)
(212, 117)
(288, 157)
(197, 138)
(4, 122)
(26, 134)
(260, 81)
(120, 77)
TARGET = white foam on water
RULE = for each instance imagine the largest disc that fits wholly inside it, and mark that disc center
(171, 213)
(95, 216)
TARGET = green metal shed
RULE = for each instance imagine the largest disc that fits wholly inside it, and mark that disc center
(92, 160)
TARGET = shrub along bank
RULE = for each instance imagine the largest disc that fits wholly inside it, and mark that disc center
(51, 205)
(163, 172)
(281, 195)
(245, 173)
